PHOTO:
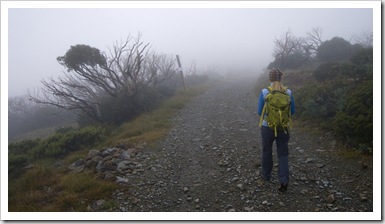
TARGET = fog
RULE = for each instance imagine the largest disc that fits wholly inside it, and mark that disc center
(232, 40)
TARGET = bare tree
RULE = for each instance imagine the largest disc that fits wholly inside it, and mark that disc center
(314, 38)
(92, 75)
(18, 106)
(290, 51)
(365, 39)
(284, 45)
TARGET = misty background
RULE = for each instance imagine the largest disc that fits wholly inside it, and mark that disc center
(230, 40)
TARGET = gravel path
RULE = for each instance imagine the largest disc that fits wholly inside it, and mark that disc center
(210, 162)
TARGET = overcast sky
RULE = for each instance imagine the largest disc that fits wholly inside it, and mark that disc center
(226, 38)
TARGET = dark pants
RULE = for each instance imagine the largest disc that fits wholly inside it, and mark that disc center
(281, 141)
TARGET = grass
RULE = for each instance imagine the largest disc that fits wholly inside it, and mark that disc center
(148, 128)
(43, 189)
(41, 133)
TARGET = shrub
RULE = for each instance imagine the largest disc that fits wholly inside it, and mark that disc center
(16, 164)
(336, 49)
(326, 71)
(23, 146)
(363, 56)
(117, 110)
(320, 101)
(62, 143)
(354, 124)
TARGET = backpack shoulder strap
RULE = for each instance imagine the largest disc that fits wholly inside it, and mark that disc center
(270, 89)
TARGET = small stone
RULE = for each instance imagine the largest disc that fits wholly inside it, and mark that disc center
(247, 209)
(317, 209)
(123, 209)
(223, 163)
(309, 160)
(363, 199)
(330, 199)
(304, 191)
(93, 153)
(121, 179)
(303, 178)
(185, 189)
(231, 210)
(135, 201)
(264, 202)
(100, 202)
(240, 186)
(281, 204)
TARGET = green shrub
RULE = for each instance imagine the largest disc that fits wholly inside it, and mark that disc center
(16, 164)
(320, 102)
(363, 57)
(23, 146)
(340, 99)
(354, 124)
(60, 144)
(327, 71)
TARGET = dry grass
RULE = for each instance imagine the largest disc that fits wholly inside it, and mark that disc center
(43, 189)
(150, 127)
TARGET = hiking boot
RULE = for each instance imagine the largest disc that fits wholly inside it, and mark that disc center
(283, 188)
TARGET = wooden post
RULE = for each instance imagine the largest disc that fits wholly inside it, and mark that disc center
(180, 71)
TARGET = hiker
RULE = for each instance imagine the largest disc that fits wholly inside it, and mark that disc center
(274, 130)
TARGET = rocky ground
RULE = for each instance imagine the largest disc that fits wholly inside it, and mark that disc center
(210, 162)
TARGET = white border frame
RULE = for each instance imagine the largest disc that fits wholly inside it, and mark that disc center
(377, 172)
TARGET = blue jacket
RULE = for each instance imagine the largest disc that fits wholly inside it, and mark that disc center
(261, 103)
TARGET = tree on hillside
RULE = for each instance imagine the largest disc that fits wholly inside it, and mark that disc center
(290, 51)
(365, 39)
(336, 49)
(314, 40)
(92, 76)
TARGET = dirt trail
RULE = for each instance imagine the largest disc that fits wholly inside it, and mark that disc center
(211, 159)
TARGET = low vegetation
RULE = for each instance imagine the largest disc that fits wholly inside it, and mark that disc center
(336, 96)
(39, 180)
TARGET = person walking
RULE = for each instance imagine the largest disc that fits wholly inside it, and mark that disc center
(275, 124)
